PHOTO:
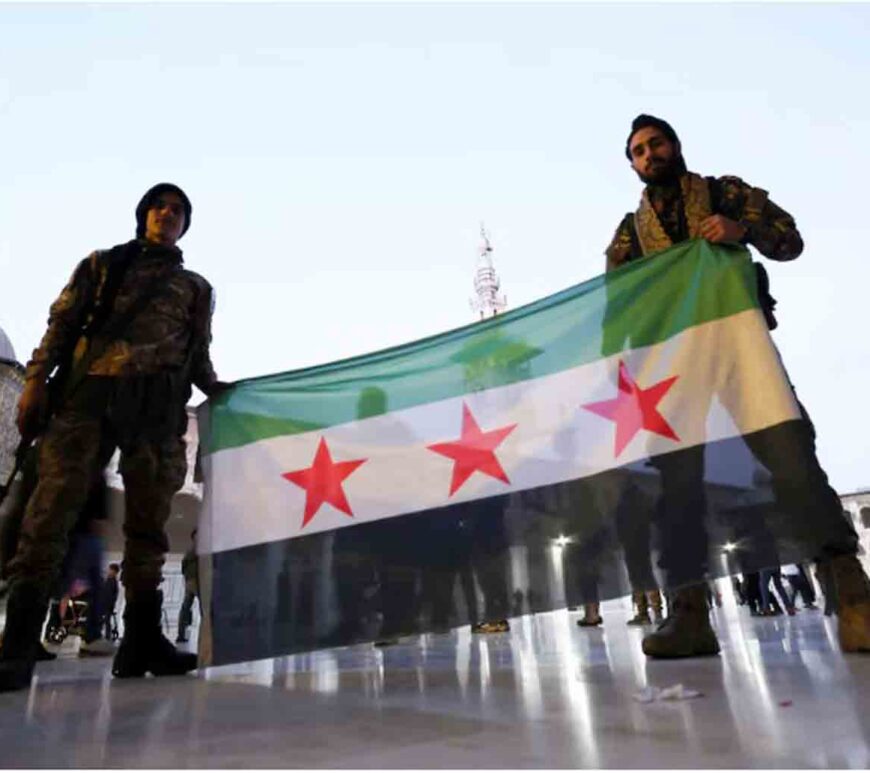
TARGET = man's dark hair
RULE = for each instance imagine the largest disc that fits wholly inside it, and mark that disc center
(644, 121)
(150, 197)
(115, 566)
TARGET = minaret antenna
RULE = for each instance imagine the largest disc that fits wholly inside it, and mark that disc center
(487, 301)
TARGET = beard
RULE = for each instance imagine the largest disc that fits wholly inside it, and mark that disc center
(668, 173)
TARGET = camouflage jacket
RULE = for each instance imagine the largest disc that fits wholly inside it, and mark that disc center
(770, 229)
(174, 325)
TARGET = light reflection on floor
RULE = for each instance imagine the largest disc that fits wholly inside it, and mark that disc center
(548, 694)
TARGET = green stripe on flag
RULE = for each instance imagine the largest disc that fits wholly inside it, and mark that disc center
(643, 303)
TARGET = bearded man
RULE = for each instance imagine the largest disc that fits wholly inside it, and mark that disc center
(678, 205)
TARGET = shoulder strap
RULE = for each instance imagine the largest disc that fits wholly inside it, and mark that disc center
(97, 307)
(118, 260)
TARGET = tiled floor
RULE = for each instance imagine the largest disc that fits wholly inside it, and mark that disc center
(548, 694)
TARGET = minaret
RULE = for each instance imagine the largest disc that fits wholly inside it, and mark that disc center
(488, 302)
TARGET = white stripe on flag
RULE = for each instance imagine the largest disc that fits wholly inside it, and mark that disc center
(730, 382)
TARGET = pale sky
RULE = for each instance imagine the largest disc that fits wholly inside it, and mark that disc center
(340, 157)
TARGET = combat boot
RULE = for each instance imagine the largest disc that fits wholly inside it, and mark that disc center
(686, 633)
(642, 616)
(144, 648)
(853, 603)
(25, 612)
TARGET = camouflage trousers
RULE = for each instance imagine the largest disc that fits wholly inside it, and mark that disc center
(76, 445)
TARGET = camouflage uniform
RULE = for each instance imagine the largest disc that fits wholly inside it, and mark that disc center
(133, 398)
(770, 229)
(669, 214)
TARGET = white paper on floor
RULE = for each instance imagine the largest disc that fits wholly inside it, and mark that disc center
(676, 692)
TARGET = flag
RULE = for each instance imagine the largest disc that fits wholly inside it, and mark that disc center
(514, 465)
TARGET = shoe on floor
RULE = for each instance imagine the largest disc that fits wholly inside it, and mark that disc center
(144, 648)
(686, 633)
(25, 612)
(591, 615)
(493, 626)
(853, 608)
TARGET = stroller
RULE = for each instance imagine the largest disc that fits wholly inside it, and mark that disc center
(72, 620)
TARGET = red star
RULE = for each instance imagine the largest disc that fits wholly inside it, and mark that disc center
(634, 409)
(475, 450)
(322, 482)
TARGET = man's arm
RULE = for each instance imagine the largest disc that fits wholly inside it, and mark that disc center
(202, 371)
(768, 227)
(622, 247)
(65, 320)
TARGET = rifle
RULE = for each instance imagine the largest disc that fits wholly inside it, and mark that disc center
(66, 377)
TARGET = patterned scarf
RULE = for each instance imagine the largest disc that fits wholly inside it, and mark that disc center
(696, 205)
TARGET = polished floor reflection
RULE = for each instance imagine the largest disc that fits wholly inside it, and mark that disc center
(547, 694)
